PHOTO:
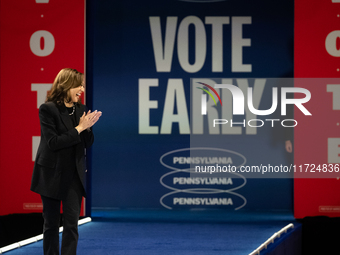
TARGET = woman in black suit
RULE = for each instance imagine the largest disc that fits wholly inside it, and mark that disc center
(59, 169)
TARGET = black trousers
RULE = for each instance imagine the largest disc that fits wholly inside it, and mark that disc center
(71, 203)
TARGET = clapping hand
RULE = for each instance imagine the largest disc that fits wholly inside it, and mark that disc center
(88, 120)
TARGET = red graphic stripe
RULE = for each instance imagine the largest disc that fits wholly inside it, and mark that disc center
(212, 89)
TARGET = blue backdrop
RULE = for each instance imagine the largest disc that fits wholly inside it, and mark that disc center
(144, 56)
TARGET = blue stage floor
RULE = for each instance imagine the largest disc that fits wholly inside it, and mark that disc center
(169, 232)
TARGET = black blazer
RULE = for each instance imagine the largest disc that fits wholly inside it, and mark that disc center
(61, 152)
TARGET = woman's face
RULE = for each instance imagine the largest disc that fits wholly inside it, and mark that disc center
(75, 93)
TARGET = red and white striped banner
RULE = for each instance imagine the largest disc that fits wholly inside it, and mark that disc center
(317, 138)
(37, 38)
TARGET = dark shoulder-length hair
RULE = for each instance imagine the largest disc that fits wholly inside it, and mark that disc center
(66, 79)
